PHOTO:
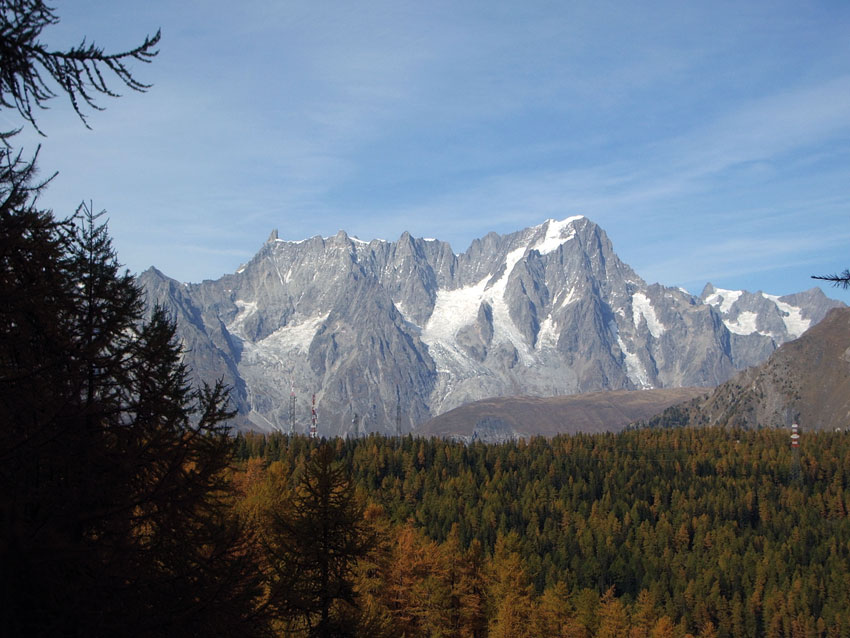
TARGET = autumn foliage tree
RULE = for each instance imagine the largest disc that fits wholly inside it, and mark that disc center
(314, 540)
(700, 531)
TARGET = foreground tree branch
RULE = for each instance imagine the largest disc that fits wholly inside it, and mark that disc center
(840, 280)
(27, 66)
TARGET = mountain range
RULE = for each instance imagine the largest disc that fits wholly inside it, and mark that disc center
(389, 334)
(806, 381)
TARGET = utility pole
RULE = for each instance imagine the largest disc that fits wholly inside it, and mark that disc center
(314, 420)
(292, 407)
(795, 449)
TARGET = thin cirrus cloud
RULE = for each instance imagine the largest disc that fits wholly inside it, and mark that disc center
(765, 131)
(674, 126)
(771, 126)
(721, 260)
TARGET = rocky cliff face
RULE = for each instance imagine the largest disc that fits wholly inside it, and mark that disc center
(759, 322)
(370, 326)
(806, 381)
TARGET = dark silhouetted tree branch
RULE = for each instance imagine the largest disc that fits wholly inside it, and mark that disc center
(27, 65)
(114, 517)
(841, 280)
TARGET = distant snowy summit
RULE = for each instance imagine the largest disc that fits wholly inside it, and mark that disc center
(780, 318)
(379, 329)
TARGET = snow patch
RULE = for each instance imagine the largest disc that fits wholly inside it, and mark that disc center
(744, 324)
(547, 336)
(634, 368)
(453, 309)
(569, 298)
(246, 310)
(792, 317)
(557, 233)
(503, 326)
(293, 337)
(723, 299)
(642, 307)
(404, 313)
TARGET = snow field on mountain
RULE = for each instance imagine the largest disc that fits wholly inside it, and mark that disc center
(246, 309)
(504, 328)
(746, 321)
(635, 370)
(291, 337)
(642, 307)
(555, 234)
(794, 322)
(457, 308)
(294, 337)
(745, 324)
(723, 299)
(547, 336)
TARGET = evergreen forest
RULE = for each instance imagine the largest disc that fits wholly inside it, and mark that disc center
(651, 532)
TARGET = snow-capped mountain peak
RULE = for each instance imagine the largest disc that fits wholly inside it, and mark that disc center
(375, 327)
(779, 318)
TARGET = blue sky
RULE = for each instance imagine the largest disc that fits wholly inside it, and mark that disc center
(709, 139)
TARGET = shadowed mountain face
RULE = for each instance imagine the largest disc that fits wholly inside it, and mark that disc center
(368, 327)
(806, 381)
(501, 419)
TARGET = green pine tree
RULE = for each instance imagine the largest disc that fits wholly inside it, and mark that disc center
(315, 539)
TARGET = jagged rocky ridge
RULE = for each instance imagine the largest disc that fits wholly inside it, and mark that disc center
(806, 381)
(369, 326)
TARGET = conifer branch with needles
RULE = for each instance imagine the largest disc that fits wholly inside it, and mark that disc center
(840, 280)
(28, 68)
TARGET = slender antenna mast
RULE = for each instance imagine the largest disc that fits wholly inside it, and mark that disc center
(292, 407)
(355, 425)
(795, 448)
(314, 420)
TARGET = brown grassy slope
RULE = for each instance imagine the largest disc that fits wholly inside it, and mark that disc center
(510, 417)
(806, 380)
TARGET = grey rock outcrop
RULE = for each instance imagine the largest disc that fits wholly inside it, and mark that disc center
(805, 381)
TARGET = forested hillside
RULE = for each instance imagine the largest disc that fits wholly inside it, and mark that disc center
(712, 532)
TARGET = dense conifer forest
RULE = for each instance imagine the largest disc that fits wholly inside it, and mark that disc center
(653, 532)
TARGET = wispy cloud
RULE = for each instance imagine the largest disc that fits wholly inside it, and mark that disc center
(660, 122)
